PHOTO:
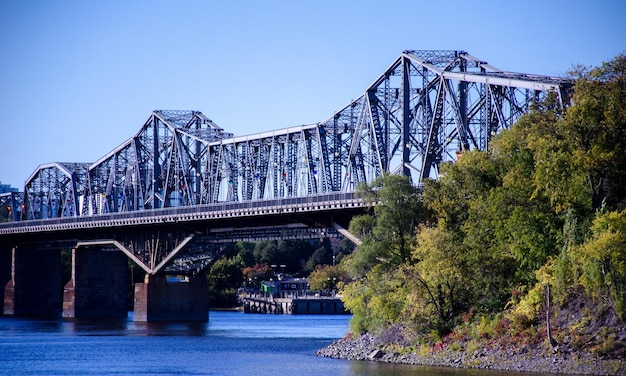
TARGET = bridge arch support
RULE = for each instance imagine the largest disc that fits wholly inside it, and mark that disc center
(99, 286)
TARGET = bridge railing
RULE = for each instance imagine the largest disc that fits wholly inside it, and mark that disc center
(186, 213)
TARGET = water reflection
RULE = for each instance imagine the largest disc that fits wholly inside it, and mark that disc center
(95, 326)
(45, 326)
(127, 327)
(187, 329)
(364, 368)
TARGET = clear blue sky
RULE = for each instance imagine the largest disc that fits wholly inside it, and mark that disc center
(77, 78)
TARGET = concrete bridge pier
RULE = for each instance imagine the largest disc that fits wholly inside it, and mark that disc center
(158, 299)
(5, 268)
(99, 283)
(35, 286)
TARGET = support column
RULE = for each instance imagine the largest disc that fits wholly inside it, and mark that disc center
(5, 269)
(35, 287)
(99, 283)
(159, 300)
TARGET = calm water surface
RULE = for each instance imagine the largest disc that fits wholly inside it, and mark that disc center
(231, 343)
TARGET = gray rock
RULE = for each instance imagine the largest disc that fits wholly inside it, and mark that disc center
(376, 354)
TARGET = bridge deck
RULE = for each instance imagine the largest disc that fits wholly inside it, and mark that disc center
(187, 214)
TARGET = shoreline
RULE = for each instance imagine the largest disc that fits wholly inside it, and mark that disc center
(370, 347)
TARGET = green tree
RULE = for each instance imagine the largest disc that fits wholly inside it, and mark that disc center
(595, 128)
(291, 253)
(603, 259)
(472, 176)
(485, 251)
(437, 286)
(327, 277)
(224, 279)
(531, 226)
(582, 165)
(245, 251)
(388, 233)
(375, 300)
(321, 256)
(507, 225)
(471, 210)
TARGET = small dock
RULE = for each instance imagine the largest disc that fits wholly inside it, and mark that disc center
(304, 304)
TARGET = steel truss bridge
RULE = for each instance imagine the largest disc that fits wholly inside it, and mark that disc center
(182, 182)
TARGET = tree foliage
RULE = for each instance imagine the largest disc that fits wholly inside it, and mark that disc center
(438, 288)
(591, 135)
(327, 277)
(603, 260)
(254, 275)
(299, 257)
(388, 233)
(224, 279)
(388, 237)
(375, 300)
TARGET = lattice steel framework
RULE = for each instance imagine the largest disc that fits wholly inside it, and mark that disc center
(422, 110)
(56, 190)
(12, 207)
(163, 165)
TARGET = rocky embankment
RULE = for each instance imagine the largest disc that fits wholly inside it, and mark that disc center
(370, 347)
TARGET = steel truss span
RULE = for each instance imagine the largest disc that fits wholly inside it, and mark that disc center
(424, 109)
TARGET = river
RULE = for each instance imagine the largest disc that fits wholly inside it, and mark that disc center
(231, 343)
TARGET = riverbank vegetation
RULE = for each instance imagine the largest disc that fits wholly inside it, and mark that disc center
(524, 244)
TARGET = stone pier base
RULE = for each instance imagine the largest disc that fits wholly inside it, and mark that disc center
(159, 300)
(35, 285)
(99, 284)
(5, 270)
